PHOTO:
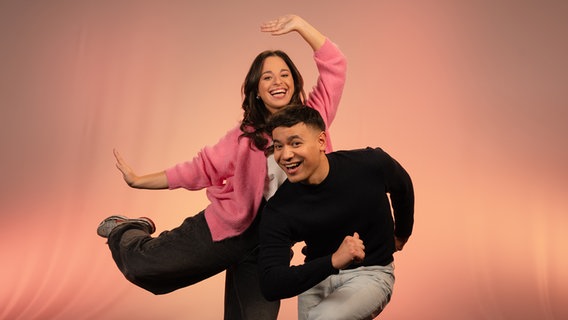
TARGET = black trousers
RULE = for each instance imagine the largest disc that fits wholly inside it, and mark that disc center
(186, 255)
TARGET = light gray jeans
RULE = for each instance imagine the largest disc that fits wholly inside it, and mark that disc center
(360, 293)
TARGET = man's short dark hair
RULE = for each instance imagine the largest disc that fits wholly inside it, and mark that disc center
(293, 114)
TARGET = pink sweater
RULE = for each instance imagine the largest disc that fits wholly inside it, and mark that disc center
(234, 174)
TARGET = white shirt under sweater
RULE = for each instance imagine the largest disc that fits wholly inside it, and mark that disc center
(275, 176)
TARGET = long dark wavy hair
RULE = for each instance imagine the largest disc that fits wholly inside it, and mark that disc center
(256, 114)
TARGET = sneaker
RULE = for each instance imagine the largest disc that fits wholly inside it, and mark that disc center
(108, 224)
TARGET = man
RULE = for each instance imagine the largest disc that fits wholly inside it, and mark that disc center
(338, 203)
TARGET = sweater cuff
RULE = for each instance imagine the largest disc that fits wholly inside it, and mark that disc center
(331, 270)
(173, 178)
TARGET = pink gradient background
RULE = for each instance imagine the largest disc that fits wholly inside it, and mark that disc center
(470, 96)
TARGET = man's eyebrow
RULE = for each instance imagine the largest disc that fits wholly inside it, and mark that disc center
(288, 139)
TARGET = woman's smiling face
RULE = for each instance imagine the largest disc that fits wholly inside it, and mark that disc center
(276, 85)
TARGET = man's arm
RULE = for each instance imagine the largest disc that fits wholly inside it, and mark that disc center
(281, 281)
(401, 191)
(278, 279)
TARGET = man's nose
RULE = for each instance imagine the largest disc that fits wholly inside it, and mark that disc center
(287, 153)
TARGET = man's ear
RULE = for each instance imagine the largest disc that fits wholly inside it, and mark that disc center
(322, 140)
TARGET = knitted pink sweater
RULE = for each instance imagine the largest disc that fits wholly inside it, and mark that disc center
(234, 174)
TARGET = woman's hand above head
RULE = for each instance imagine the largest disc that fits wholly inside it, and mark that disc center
(156, 180)
(291, 22)
(282, 25)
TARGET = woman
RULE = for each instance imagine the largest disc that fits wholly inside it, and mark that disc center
(239, 174)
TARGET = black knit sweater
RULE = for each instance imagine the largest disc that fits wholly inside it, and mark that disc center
(354, 197)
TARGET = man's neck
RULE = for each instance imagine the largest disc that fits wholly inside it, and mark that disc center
(321, 172)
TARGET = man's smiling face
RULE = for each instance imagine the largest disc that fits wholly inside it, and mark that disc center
(300, 151)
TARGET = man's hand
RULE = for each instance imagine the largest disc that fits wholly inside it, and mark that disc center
(399, 243)
(351, 250)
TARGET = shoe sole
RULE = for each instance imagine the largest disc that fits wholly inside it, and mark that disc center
(143, 220)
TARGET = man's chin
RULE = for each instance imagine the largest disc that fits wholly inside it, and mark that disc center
(294, 179)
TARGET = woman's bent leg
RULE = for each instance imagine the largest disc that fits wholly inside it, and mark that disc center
(174, 259)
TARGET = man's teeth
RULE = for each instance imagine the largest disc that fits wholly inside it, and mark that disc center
(292, 166)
